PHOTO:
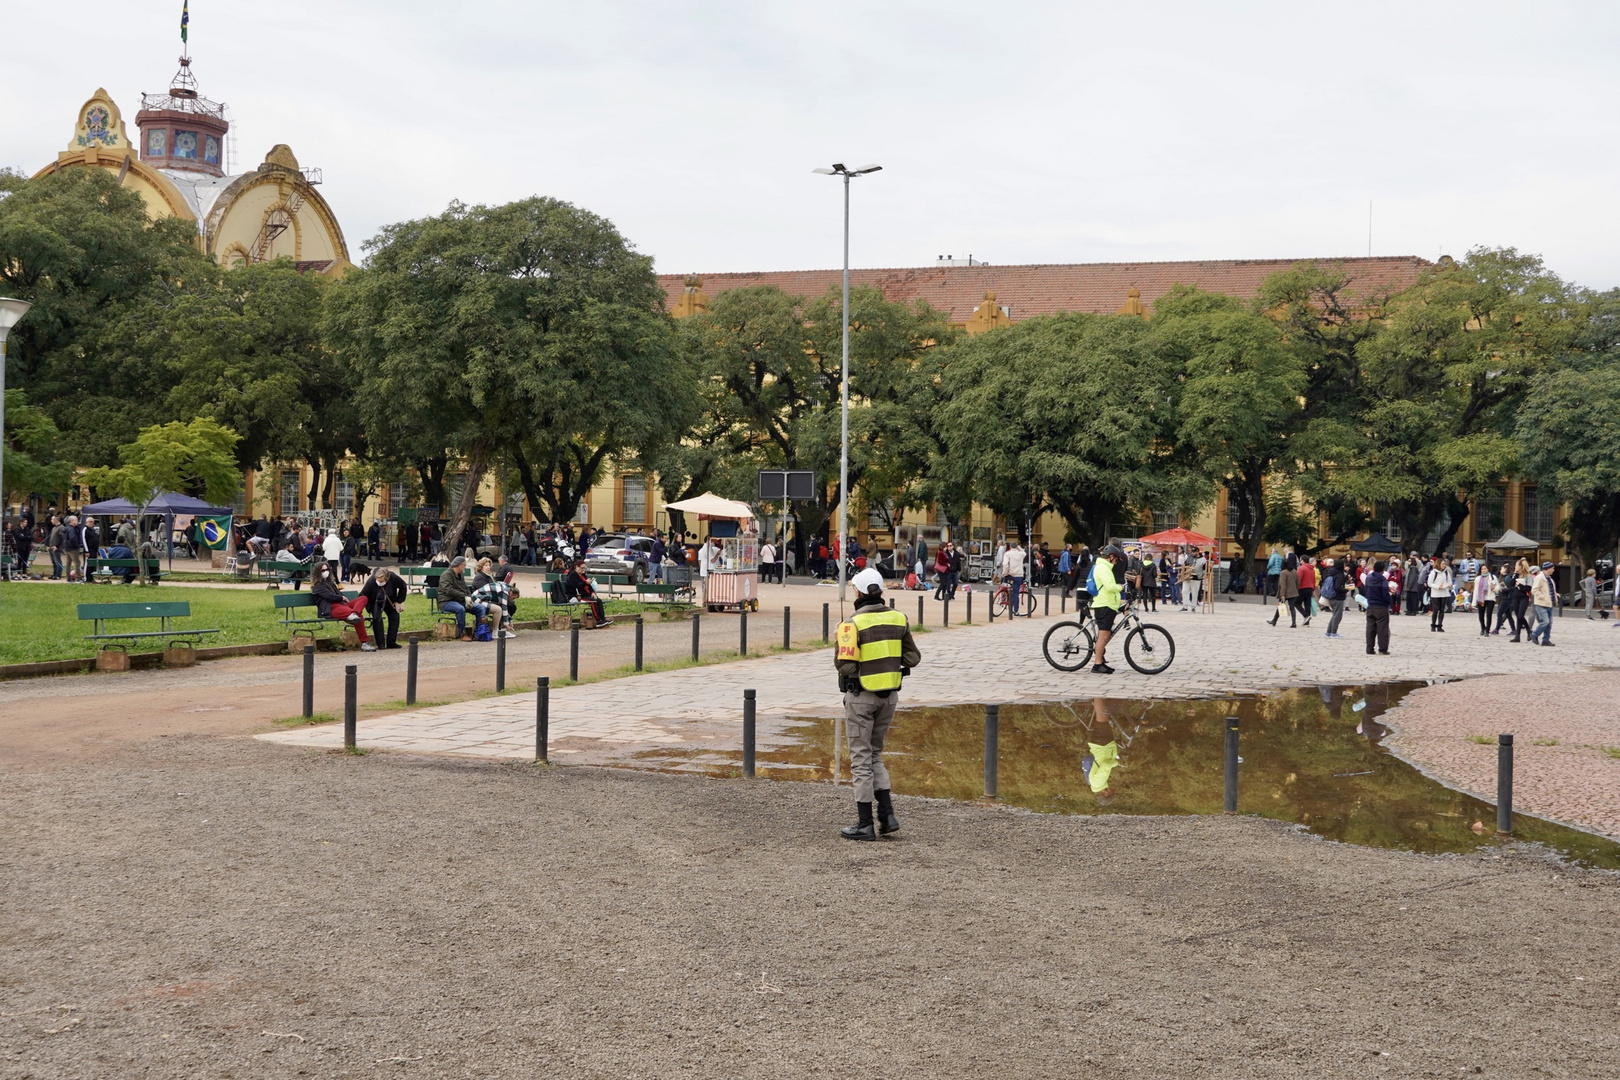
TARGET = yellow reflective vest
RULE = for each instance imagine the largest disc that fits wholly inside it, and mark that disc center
(873, 639)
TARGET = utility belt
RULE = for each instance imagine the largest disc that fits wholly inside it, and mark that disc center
(851, 684)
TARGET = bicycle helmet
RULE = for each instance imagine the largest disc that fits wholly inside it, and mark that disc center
(1113, 551)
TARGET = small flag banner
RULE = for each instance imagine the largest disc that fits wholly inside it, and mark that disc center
(215, 531)
(185, 18)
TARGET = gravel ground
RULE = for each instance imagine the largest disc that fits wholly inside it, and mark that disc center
(212, 907)
(1566, 741)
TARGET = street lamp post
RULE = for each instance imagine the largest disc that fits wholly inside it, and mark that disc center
(10, 311)
(843, 450)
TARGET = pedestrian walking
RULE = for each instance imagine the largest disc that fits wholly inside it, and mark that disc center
(1485, 590)
(1541, 599)
(1334, 591)
(1307, 589)
(1150, 584)
(1439, 585)
(767, 561)
(1274, 568)
(875, 652)
(1375, 587)
(1589, 591)
(1287, 593)
(1412, 576)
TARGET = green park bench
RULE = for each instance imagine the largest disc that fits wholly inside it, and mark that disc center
(282, 569)
(419, 578)
(110, 567)
(301, 614)
(101, 615)
(648, 591)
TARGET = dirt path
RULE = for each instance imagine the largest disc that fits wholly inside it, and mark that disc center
(215, 907)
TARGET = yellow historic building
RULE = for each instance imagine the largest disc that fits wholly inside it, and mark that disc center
(178, 163)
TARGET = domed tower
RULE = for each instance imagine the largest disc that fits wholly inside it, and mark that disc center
(182, 129)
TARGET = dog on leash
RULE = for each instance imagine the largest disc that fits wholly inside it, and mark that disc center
(358, 573)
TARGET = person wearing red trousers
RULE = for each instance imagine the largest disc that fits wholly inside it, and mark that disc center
(332, 604)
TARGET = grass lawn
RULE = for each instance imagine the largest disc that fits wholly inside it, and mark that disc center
(41, 622)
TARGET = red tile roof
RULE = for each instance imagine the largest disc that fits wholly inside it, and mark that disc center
(1050, 288)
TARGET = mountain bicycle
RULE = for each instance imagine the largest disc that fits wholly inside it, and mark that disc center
(1149, 648)
(1001, 599)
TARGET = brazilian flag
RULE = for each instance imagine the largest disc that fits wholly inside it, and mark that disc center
(185, 18)
(215, 531)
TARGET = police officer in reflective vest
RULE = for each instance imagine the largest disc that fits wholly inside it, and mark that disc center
(875, 651)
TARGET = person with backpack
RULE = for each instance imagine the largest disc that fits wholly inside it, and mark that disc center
(1107, 591)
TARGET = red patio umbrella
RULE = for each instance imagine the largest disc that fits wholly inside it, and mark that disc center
(1178, 537)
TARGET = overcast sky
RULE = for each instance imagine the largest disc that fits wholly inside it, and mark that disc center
(1014, 132)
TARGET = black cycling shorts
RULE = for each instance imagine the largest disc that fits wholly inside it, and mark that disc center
(1104, 617)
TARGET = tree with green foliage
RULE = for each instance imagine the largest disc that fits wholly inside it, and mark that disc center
(771, 367)
(532, 330)
(196, 458)
(1443, 377)
(1568, 429)
(85, 252)
(1241, 401)
(1073, 411)
(32, 461)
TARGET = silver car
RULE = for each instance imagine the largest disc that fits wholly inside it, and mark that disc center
(625, 556)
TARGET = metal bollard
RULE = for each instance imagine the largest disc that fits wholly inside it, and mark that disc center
(748, 733)
(500, 661)
(891, 603)
(787, 629)
(410, 671)
(350, 705)
(826, 627)
(1063, 603)
(970, 607)
(990, 602)
(1504, 784)
(309, 680)
(992, 740)
(1048, 610)
(946, 622)
(573, 654)
(542, 718)
(1229, 802)
(920, 610)
(695, 638)
(638, 642)
(742, 634)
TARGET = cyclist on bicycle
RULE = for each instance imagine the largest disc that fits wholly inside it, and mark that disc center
(1107, 573)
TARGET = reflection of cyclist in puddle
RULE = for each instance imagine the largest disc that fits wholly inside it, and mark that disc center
(1101, 758)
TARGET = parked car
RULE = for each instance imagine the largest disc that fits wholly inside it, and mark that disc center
(616, 553)
(1605, 597)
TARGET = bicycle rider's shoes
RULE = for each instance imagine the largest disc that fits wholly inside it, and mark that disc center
(862, 829)
(1101, 669)
(886, 821)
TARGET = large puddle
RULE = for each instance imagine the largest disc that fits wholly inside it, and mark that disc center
(1314, 757)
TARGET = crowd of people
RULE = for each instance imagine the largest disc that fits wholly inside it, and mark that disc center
(70, 544)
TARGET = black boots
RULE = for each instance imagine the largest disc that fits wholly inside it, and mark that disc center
(862, 829)
(886, 821)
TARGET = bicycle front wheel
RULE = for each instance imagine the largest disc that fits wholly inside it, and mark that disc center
(1150, 648)
(1067, 646)
(1026, 603)
(998, 604)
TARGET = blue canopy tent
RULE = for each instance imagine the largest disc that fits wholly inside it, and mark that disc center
(166, 503)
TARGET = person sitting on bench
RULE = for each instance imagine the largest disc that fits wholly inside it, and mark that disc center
(332, 604)
(579, 588)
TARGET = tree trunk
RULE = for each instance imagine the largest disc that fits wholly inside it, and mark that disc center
(314, 482)
(477, 459)
(431, 471)
(1248, 488)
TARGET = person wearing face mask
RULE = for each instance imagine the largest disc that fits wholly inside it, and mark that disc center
(332, 604)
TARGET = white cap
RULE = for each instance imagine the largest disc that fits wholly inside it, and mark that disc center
(866, 580)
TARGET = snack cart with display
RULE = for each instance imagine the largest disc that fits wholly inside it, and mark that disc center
(733, 578)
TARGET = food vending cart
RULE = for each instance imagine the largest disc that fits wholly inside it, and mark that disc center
(733, 577)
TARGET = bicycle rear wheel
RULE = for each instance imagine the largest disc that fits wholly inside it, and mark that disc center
(1026, 603)
(1067, 646)
(998, 604)
(1149, 648)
